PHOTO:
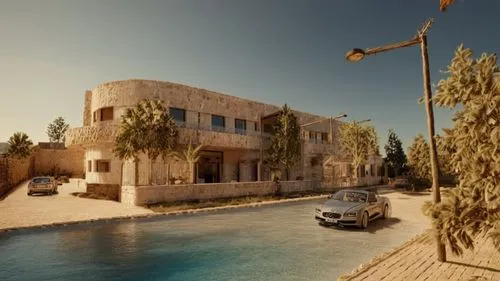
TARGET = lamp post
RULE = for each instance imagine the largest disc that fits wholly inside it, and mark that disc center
(356, 55)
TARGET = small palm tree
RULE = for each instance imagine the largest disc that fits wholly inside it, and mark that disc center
(20, 145)
(167, 158)
(192, 156)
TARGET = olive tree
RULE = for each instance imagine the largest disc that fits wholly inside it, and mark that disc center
(359, 141)
(473, 208)
(146, 128)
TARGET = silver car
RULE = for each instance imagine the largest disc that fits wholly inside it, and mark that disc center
(353, 207)
(42, 185)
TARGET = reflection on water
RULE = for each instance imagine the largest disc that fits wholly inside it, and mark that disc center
(275, 243)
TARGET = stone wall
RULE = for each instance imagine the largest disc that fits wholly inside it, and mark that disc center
(141, 195)
(130, 92)
(12, 172)
(68, 161)
(112, 191)
(87, 109)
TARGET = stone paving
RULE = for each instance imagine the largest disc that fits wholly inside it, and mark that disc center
(417, 260)
(18, 210)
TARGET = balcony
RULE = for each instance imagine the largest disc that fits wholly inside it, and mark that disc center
(206, 135)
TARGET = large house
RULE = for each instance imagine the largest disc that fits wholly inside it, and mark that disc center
(234, 132)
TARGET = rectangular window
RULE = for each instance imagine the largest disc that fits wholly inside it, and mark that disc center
(256, 126)
(95, 116)
(103, 166)
(218, 123)
(268, 128)
(106, 113)
(312, 135)
(240, 126)
(89, 166)
(324, 137)
(179, 115)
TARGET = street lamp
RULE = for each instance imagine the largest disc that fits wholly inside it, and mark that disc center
(356, 55)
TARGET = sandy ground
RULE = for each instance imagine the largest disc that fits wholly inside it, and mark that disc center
(21, 210)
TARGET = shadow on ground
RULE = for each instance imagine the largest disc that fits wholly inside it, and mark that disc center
(475, 266)
(373, 226)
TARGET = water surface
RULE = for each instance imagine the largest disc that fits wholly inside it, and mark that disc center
(271, 243)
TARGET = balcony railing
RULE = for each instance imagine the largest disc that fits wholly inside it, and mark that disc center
(318, 141)
(220, 129)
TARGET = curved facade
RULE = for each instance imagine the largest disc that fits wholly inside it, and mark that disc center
(229, 128)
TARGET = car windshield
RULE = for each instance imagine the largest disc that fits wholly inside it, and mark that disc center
(41, 180)
(350, 196)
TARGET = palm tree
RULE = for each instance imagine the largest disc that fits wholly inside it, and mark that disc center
(20, 145)
(192, 156)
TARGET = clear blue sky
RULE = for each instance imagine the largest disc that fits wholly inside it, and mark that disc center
(266, 50)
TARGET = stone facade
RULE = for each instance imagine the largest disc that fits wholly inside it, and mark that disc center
(111, 191)
(13, 171)
(68, 161)
(230, 154)
(142, 195)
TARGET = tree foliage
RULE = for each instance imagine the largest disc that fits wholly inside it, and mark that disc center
(395, 153)
(473, 207)
(285, 141)
(57, 129)
(359, 141)
(19, 145)
(146, 128)
(191, 155)
(419, 161)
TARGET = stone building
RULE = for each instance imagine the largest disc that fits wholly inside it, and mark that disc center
(232, 130)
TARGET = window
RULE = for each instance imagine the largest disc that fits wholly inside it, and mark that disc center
(106, 114)
(178, 114)
(268, 128)
(218, 123)
(256, 126)
(240, 126)
(95, 116)
(312, 135)
(103, 166)
(324, 137)
(89, 166)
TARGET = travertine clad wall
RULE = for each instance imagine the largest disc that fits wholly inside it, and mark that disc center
(130, 92)
(87, 109)
(141, 195)
(64, 161)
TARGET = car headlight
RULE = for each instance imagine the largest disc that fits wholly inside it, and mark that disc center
(351, 214)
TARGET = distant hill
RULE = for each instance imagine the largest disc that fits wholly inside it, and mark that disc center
(4, 147)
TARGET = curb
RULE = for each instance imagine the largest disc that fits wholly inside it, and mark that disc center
(167, 214)
(380, 258)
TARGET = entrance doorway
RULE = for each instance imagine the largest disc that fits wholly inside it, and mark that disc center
(209, 167)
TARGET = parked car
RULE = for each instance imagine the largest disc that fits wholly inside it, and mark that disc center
(401, 183)
(42, 185)
(353, 207)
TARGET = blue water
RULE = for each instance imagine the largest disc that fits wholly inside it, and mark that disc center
(272, 243)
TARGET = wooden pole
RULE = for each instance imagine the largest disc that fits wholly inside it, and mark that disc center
(441, 250)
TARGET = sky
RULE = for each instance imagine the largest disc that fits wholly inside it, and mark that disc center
(271, 51)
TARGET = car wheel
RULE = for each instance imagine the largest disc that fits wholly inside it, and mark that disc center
(29, 193)
(387, 213)
(364, 220)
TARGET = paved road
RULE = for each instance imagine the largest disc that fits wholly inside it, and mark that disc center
(20, 210)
